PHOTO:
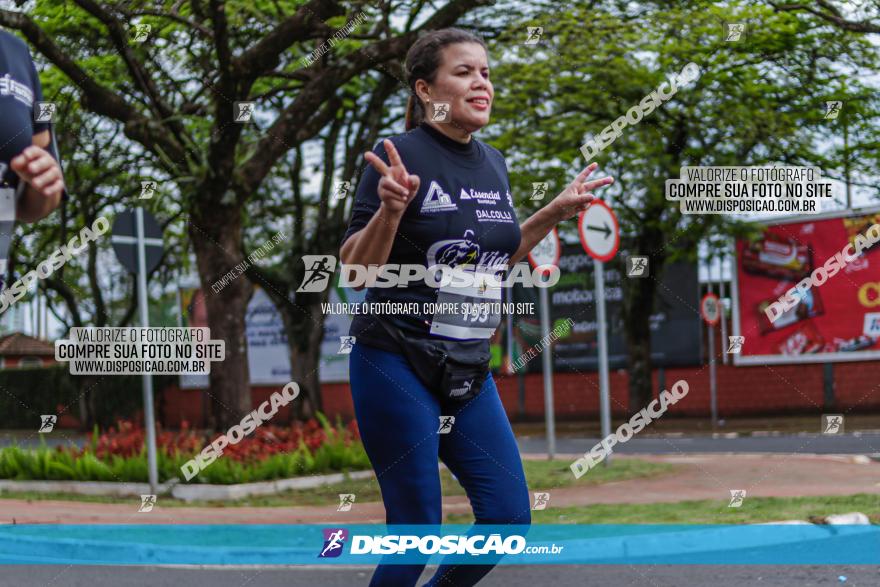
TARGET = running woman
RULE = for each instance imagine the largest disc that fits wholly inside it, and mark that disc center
(31, 183)
(437, 195)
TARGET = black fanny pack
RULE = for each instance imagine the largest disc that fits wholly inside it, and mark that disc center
(454, 370)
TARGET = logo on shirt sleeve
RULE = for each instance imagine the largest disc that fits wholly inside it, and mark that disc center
(436, 200)
(17, 90)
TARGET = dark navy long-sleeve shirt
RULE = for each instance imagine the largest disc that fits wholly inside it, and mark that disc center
(462, 214)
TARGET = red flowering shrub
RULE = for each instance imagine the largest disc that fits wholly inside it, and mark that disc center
(127, 439)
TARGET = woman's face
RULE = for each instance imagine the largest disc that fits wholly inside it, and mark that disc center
(463, 81)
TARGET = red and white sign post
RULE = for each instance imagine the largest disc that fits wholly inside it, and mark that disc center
(600, 236)
(710, 310)
(545, 256)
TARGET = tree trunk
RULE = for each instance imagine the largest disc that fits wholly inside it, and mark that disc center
(304, 365)
(639, 301)
(304, 326)
(88, 413)
(216, 237)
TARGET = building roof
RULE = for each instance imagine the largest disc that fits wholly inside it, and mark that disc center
(20, 344)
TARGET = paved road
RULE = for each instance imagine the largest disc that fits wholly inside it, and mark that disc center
(856, 443)
(503, 576)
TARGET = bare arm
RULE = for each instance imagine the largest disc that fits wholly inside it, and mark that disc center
(371, 245)
(534, 229)
(575, 198)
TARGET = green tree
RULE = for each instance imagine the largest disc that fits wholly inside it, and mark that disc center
(92, 289)
(759, 100)
(174, 87)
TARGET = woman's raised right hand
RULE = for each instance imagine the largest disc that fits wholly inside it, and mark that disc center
(397, 188)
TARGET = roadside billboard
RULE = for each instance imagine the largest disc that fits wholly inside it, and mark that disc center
(838, 317)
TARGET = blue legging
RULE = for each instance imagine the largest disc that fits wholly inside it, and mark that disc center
(398, 420)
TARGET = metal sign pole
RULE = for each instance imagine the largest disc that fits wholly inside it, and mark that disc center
(149, 417)
(508, 323)
(713, 390)
(547, 370)
(604, 386)
(725, 359)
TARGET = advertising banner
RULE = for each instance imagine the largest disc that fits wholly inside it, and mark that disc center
(268, 354)
(675, 322)
(807, 290)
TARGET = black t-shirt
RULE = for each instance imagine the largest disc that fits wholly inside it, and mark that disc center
(20, 90)
(462, 214)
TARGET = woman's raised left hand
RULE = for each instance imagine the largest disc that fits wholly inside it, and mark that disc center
(578, 196)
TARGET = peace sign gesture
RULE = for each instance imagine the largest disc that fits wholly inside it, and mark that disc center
(577, 196)
(397, 187)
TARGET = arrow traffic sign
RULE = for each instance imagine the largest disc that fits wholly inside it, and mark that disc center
(599, 231)
(124, 240)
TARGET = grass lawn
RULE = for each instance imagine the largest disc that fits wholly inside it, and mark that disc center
(753, 509)
(540, 475)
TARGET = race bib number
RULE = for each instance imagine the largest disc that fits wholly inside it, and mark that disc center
(478, 305)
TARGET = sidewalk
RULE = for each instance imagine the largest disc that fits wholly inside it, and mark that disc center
(698, 477)
(744, 426)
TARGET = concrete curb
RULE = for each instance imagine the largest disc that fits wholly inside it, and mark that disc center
(186, 492)
(105, 488)
(197, 491)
